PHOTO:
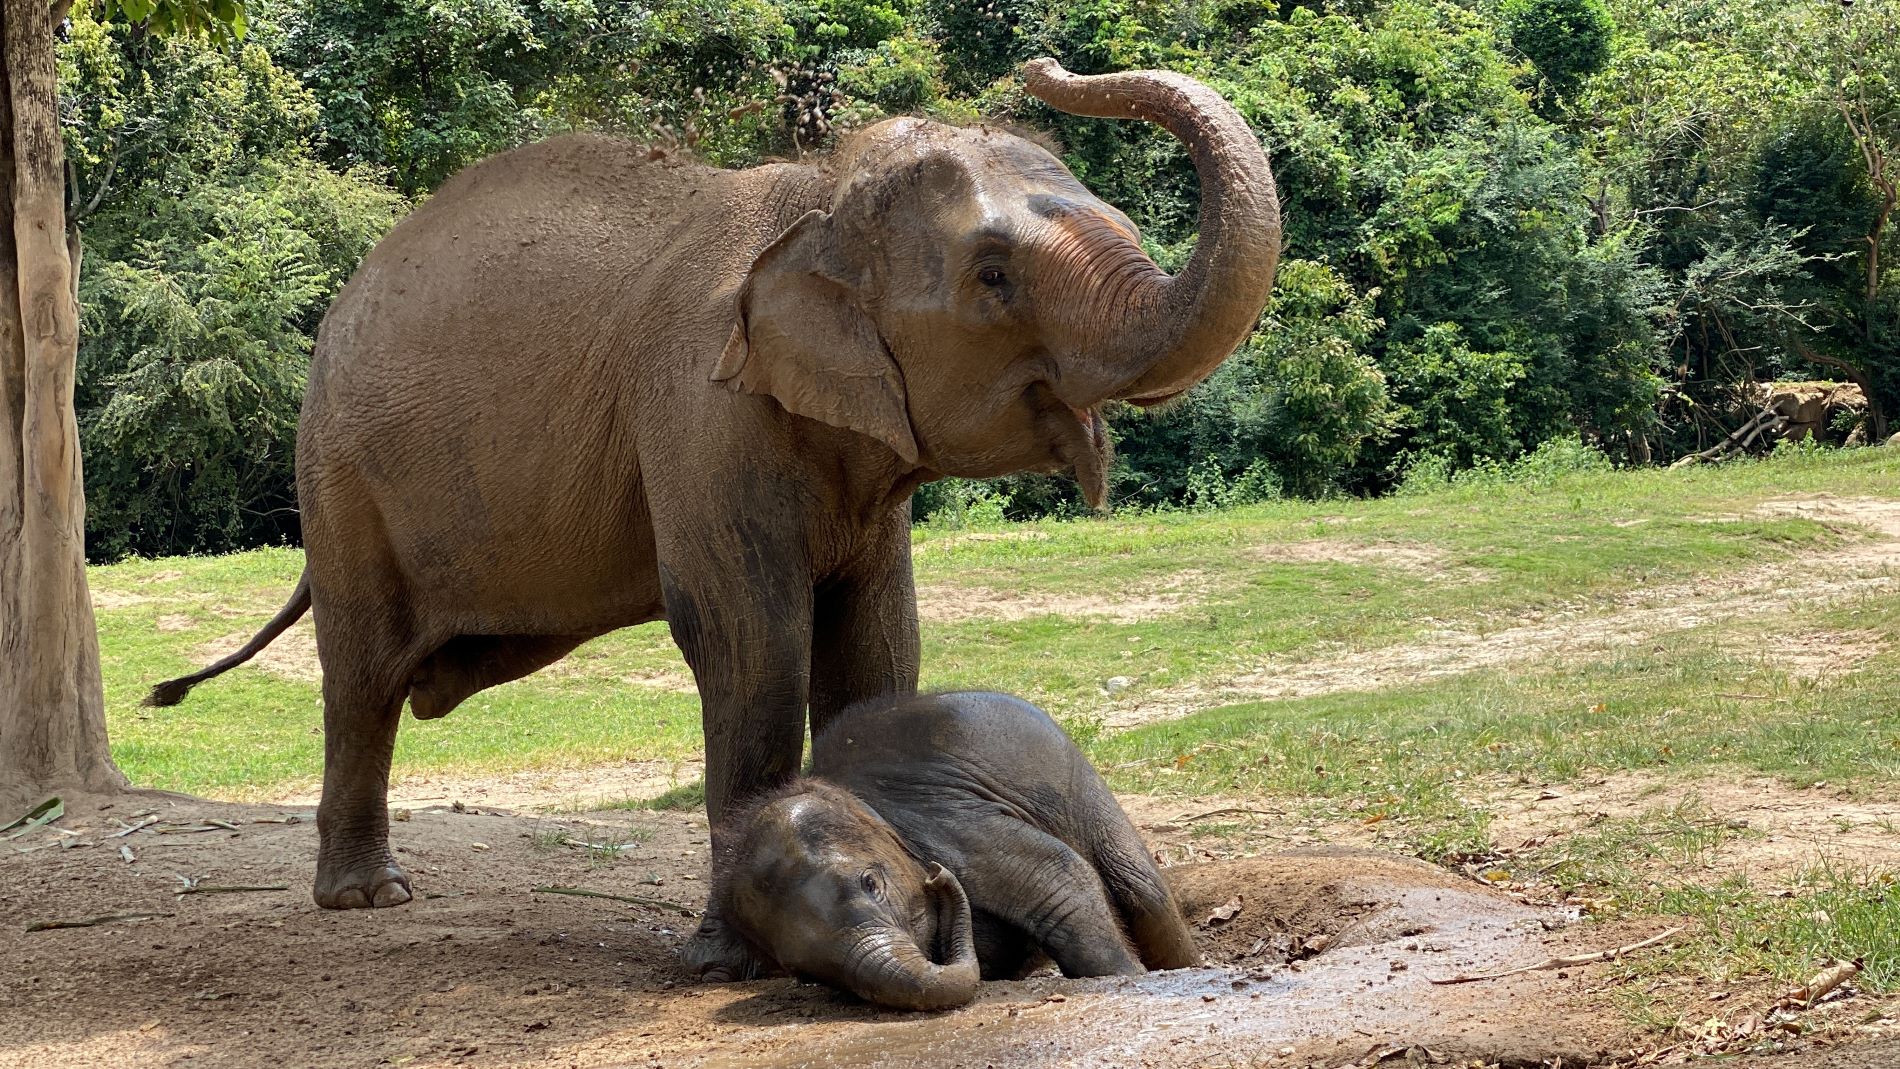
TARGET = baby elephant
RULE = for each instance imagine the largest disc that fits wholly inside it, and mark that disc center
(937, 838)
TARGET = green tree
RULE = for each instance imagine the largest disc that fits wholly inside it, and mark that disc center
(52, 708)
(215, 242)
(1566, 40)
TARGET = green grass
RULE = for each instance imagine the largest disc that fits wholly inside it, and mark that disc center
(1504, 550)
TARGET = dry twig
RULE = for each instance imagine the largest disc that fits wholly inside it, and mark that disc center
(130, 828)
(638, 900)
(90, 922)
(1562, 962)
(219, 889)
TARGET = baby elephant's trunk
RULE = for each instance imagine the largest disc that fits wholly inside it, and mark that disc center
(894, 970)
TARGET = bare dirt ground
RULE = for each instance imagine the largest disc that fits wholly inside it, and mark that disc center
(1869, 565)
(1319, 955)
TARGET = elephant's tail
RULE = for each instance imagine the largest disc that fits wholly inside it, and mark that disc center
(173, 691)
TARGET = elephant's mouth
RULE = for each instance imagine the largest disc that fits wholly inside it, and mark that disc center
(1158, 400)
(1091, 455)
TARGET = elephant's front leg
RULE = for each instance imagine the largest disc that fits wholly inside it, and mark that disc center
(745, 630)
(747, 639)
(864, 626)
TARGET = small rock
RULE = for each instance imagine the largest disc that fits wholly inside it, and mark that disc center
(1117, 683)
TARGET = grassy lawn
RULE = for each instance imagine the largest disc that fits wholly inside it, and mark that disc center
(1421, 761)
(1495, 551)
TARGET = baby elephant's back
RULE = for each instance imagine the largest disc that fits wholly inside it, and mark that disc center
(996, 747)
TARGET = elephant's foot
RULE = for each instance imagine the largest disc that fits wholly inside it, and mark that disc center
(380, 882)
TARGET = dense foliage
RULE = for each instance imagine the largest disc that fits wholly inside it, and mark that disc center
(1509, 222)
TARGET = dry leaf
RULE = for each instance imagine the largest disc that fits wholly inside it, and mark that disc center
(1223, 913)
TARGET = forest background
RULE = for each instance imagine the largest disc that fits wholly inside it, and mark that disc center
(1579, 230)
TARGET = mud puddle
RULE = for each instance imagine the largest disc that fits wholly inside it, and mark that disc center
(1316, 956)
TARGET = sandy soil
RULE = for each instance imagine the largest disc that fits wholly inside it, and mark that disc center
(1164, 596)
(1317, 956)
(1870, 565)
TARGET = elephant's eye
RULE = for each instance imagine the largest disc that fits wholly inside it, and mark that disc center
(869, 882)
(992, 276)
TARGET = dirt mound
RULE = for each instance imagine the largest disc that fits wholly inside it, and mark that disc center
(1299, 903)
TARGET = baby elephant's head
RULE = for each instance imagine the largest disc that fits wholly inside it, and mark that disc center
(822, 885)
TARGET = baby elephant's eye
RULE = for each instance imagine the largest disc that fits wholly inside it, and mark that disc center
(869, 882)
(992, 276)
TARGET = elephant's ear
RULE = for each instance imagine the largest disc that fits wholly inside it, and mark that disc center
(804, 338)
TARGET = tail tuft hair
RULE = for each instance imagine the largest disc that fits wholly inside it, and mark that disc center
(168, 693)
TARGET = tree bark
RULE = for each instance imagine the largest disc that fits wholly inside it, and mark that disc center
(52, 708)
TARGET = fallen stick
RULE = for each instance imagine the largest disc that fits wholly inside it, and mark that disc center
(638, 900)
(218, 889)
(130, 828)
(1819, 985)
(90, 922)
(611, 847)
(1229, 811)
(1563, 962)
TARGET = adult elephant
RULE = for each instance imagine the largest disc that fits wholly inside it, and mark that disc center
(589, 385)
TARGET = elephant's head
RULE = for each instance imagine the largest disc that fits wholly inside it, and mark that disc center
(817, 883)
(966, 302)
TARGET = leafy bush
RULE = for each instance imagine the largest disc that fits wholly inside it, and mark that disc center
(1566, 40)
(1541, 467)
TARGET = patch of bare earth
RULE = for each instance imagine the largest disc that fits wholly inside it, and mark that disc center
(291, 655)
(537, 790)
(1315, 958)
(1772, 832)
(1415, 558)
(1863, 567)
(946, 604)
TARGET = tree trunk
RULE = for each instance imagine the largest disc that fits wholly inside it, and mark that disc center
(52, 708)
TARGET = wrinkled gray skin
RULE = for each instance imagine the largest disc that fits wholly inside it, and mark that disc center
(588, 385)
(836, 877)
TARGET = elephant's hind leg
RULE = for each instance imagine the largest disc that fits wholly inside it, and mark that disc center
(1034, 881)
(1142, 900)
(366, 666)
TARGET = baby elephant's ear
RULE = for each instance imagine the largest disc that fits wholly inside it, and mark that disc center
(804, 338)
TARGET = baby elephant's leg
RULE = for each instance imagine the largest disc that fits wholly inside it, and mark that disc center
(1035, 882)
(1146, 906)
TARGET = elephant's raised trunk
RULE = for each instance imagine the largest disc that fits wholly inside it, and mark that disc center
(891, 969)
(1170, 333)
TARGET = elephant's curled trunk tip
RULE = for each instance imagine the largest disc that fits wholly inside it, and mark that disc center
(900, 975)
(1197, 318)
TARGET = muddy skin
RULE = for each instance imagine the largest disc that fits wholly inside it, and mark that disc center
(831, 877)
